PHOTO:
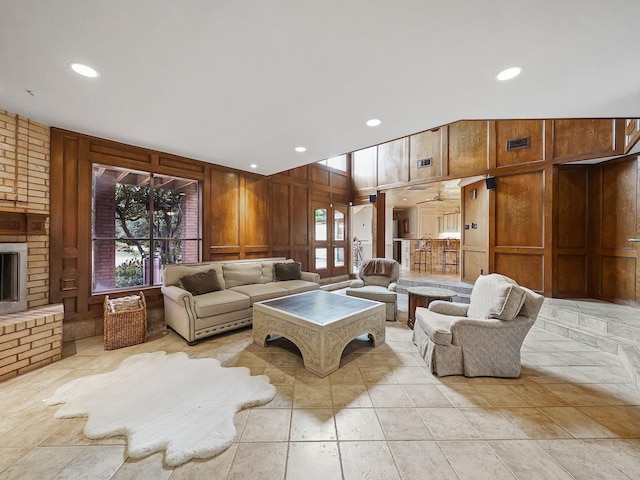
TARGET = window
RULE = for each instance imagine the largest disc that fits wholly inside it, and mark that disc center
(339, 163)
(140, 223)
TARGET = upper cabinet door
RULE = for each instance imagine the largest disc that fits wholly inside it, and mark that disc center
(426, 153)
(468, 147)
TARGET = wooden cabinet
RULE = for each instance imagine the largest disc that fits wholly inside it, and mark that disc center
(450, 222)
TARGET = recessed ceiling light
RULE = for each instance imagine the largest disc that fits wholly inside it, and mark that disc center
(404, 199)
(374, 122)
(509, 73)
(301, 149)
(84, 70)
(253, 165)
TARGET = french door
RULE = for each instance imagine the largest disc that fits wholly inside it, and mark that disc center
(329, 243)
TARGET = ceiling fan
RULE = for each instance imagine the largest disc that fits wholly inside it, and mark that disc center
(438, 198)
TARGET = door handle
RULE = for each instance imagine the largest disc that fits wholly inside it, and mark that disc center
(635, 240)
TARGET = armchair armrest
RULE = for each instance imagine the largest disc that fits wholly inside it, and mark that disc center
(356, 283)
(310, 277)
(449, 308)
(392, 286)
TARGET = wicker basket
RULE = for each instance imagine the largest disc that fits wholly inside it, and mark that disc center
(124, 328)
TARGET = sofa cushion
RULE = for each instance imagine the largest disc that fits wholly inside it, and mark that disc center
(495, 296)
(287, 271)
(236, 274)
(268, 274)
(435, 325)
(261, 291)
(201, 282)
(222, 301)
(297, 286)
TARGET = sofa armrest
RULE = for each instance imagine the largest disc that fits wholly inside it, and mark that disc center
(449, 308)
(177, 294)
(356, 283)
(310, 277)
(392, 286)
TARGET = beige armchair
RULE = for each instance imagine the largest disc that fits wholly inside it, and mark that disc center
(483, 338)
(378, 278)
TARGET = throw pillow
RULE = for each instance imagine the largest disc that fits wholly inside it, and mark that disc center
(495, 296)
(287, 271)
(201, 283)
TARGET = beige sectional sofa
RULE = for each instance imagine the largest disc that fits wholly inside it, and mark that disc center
(241, 283)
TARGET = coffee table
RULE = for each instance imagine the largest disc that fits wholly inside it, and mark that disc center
(320, 324)
(423, 296)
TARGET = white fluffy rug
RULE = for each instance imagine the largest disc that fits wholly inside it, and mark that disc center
(165, 402)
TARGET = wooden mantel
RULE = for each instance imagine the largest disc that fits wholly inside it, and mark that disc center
(16, 223)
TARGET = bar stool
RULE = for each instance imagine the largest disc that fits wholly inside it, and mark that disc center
(451, 246)
(422, 253)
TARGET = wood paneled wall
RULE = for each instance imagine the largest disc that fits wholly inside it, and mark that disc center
(243, 215)
(539, 221)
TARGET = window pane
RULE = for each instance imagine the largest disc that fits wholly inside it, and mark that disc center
(338, 225)
(339, 257)
(120, 203)
(321, 224)
(321, 258)
(174, 251)
(175, 207)
(119, 264)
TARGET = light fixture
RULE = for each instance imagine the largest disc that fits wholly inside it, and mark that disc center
(253, 165)
(374, 122)
(509, 73)
(83, 70)
(300, 149)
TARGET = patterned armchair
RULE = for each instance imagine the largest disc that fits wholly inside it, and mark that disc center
(378, 278)
(483, 338)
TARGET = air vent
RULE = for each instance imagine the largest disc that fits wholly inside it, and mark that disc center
(518, 143)
(425, 162)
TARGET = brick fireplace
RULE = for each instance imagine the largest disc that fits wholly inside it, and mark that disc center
(33, 337)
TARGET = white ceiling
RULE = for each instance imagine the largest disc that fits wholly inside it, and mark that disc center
(236, 82)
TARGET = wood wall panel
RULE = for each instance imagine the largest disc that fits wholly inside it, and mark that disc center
(468, 147)
(475, 241)
(632, 133)
(571, 274)
(256, 214)
(320, 175)
(393, 162)
(618, 278)
(425, 145)
(571, 217)
(474, 264)
(280, 199)
(583, 138)
(225, 205)
(363, 168)
(619, 206)
(299, 216)
(519, 209)
(526, 269)
(507, 130)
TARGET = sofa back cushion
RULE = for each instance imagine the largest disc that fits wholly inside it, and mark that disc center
(237, 274)
(173, 273)
(495, 296)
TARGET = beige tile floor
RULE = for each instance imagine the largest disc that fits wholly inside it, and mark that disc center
(571, 414)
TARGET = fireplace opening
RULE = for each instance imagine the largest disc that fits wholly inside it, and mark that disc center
(13, 277)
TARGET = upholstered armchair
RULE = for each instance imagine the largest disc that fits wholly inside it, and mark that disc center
(482, 338)
(377, 281)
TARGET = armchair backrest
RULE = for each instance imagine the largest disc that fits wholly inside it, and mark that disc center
(379, 271)
(500, 297)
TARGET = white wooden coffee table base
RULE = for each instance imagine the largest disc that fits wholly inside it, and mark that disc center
(321, 345)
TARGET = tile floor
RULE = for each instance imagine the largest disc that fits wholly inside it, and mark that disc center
(571, 414)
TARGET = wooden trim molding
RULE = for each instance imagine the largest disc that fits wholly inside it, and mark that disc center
(16, 223)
